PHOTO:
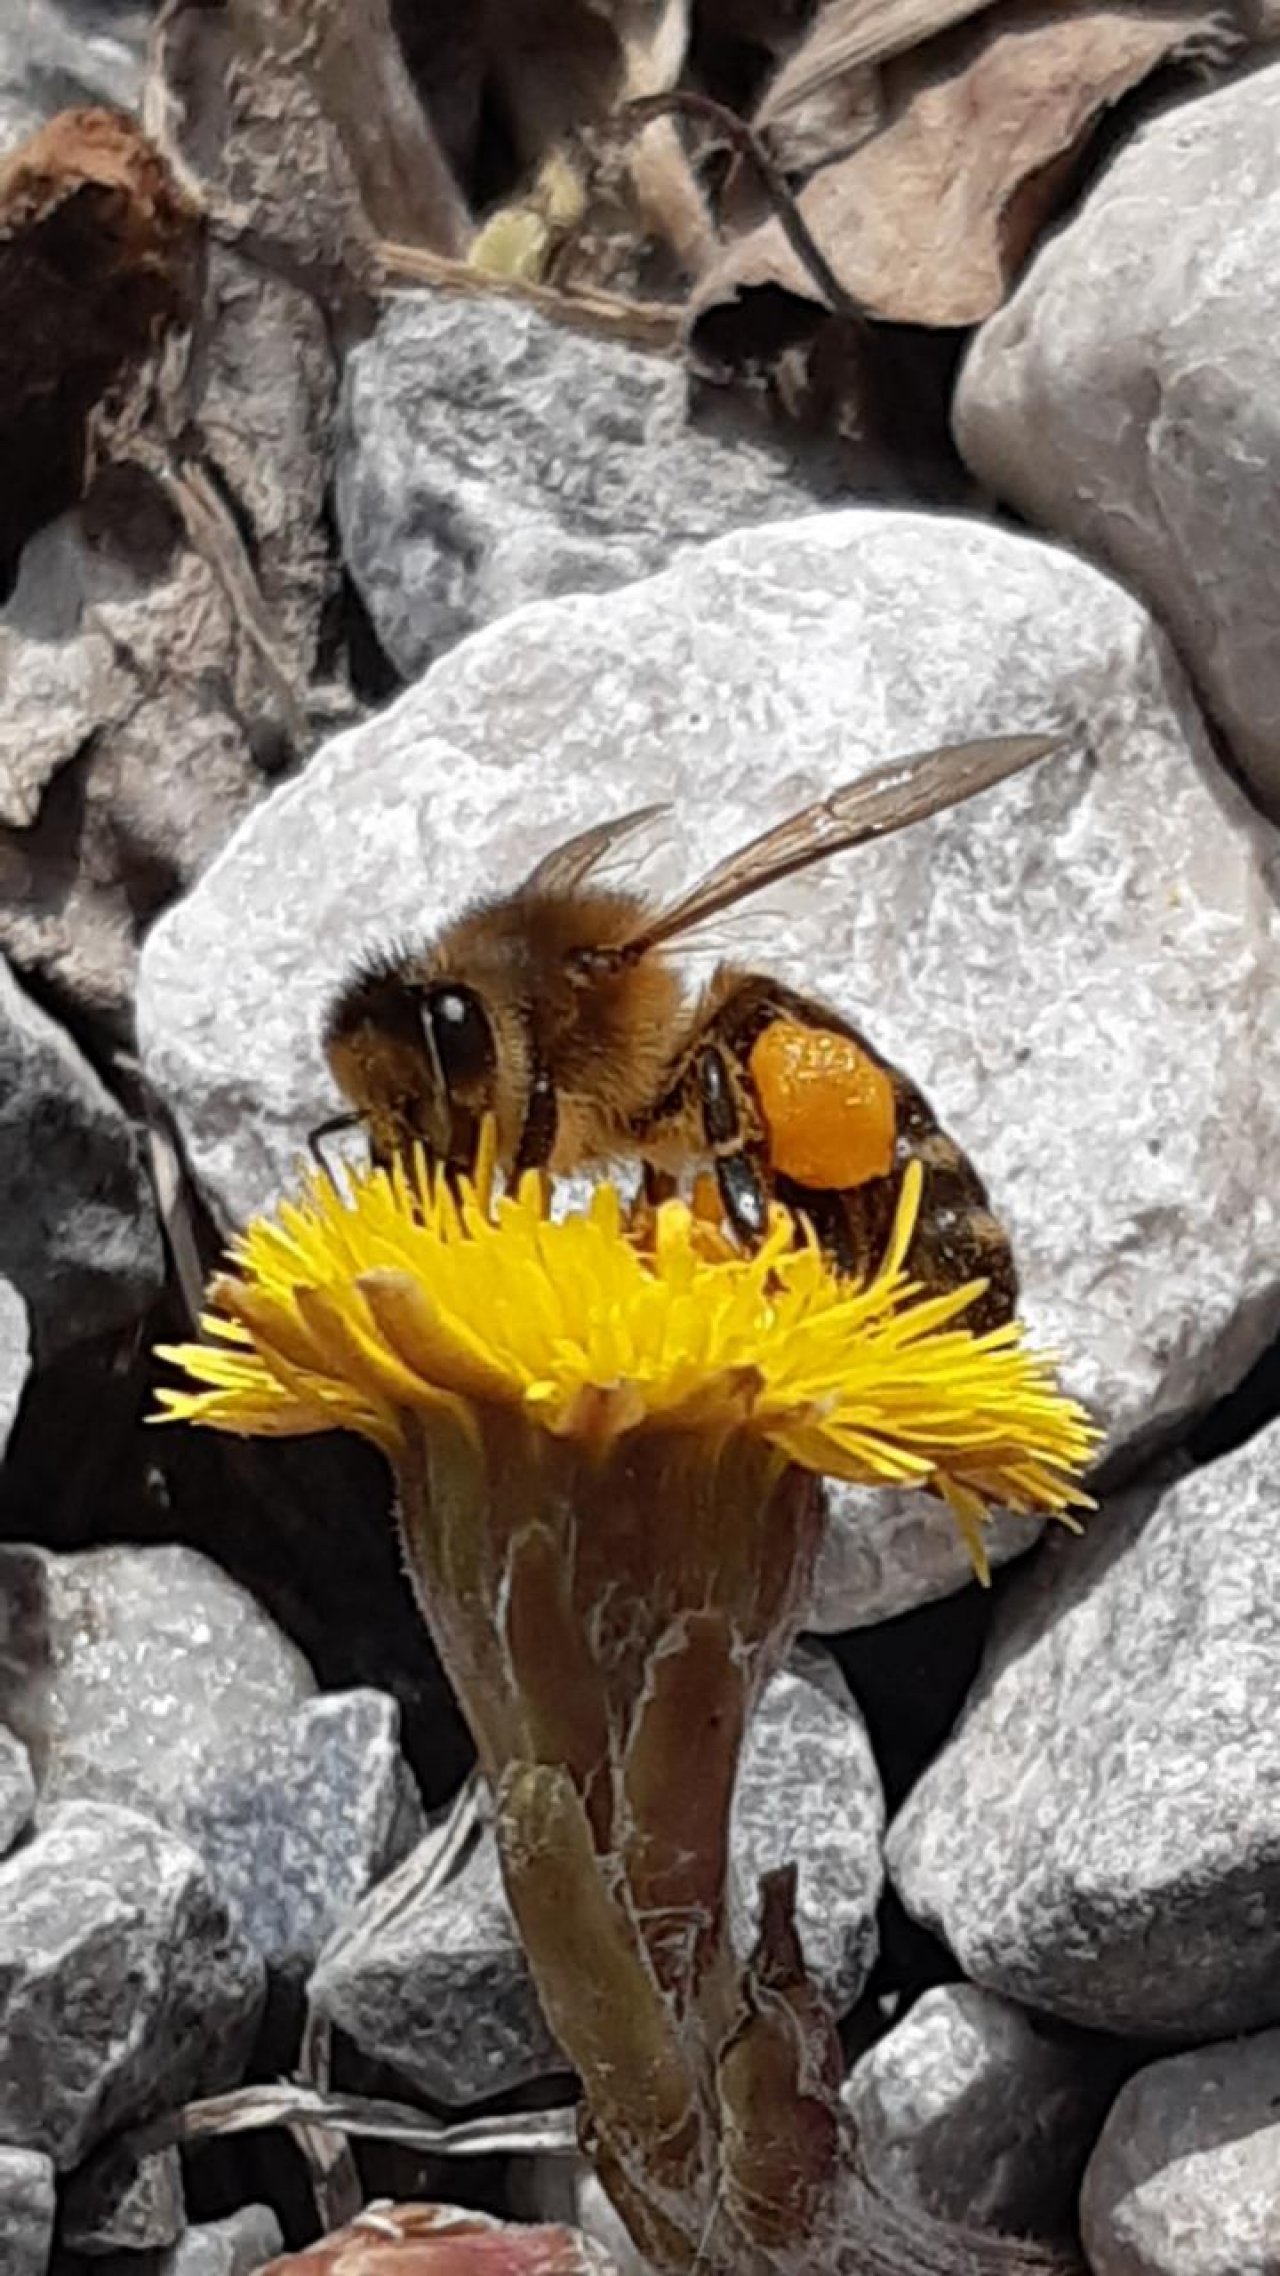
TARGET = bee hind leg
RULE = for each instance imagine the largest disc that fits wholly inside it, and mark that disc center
(742, 1190)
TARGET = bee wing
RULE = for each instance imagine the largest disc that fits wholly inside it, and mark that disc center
(891, 798)
(567, 866)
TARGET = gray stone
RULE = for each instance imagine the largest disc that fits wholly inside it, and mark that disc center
(297, 1834)
(118, 2200)
(1185, 2180)
(809, 1794)
(237, 2246)
(15, 1357)
(124, 1987)
(78, 1236)
(969, 2112)
(56, 54)
(1124, 395)
(489, 457)
(136, 1674)
(1048, 961)
(17, 1789)
(436, 1983)
(146, 1676)
(1101, 1837)
(27, 2208)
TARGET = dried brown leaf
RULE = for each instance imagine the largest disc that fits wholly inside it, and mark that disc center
(929, 221)
(827, 97)
(654, 37)
(99, 254)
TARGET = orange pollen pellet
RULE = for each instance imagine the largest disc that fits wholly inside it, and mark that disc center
(829, 1110)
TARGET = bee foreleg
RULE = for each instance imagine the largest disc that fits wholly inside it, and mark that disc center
(538, 1136)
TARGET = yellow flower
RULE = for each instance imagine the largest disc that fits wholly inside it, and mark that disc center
(355, 1309)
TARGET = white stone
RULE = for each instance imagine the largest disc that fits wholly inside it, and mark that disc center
(147, 1676)
(1100, 1838)
(489, 456)
(124, 1988)
(58, 53)
(27, 2209)
(15, 1357)
(1126, 393)
(78, 1234)
(138, 1675)
(1185, 2180)
(1080, 968)
(970, 2112)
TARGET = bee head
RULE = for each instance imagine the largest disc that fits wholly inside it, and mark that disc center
(417, 1059)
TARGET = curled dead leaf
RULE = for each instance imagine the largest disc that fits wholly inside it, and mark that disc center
(928, 221)
(99, 256)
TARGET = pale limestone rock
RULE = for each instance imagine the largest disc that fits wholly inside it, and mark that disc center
(78, 1234)
(969, 2110)
(1185, 2180)
(15, 1357)
(147, 1676)
(488, 456)
(1101, 1836)
(124, 1987)
(1125, 396)
(1080, 968)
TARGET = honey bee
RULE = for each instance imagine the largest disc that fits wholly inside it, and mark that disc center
(557, 1011)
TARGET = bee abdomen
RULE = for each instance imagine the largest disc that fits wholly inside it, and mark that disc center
(958, 1236)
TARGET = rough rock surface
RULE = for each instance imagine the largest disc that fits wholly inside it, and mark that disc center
(298, 1832)
(489, 457)
(58, 53)
(118, 2200)
(1101, 1837)
(969, 2111)
(78, 1236)
(1124, 394)
(123, 1986)
(1047, 962)
(17, 1789)
(132, 1672)
(27, 2208)
(15, 1357)
(237, 2246)
(1185, 2180)
(809, 1794)
(436, 1984)
(146, 1676)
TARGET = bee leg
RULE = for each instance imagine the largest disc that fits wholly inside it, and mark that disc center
(539, 1133)
(659, 1185)
(832, 1223)
(746, 1204)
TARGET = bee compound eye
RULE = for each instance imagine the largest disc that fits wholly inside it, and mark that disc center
(461, 1035)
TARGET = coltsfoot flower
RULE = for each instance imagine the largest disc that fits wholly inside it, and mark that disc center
(357, 1308)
